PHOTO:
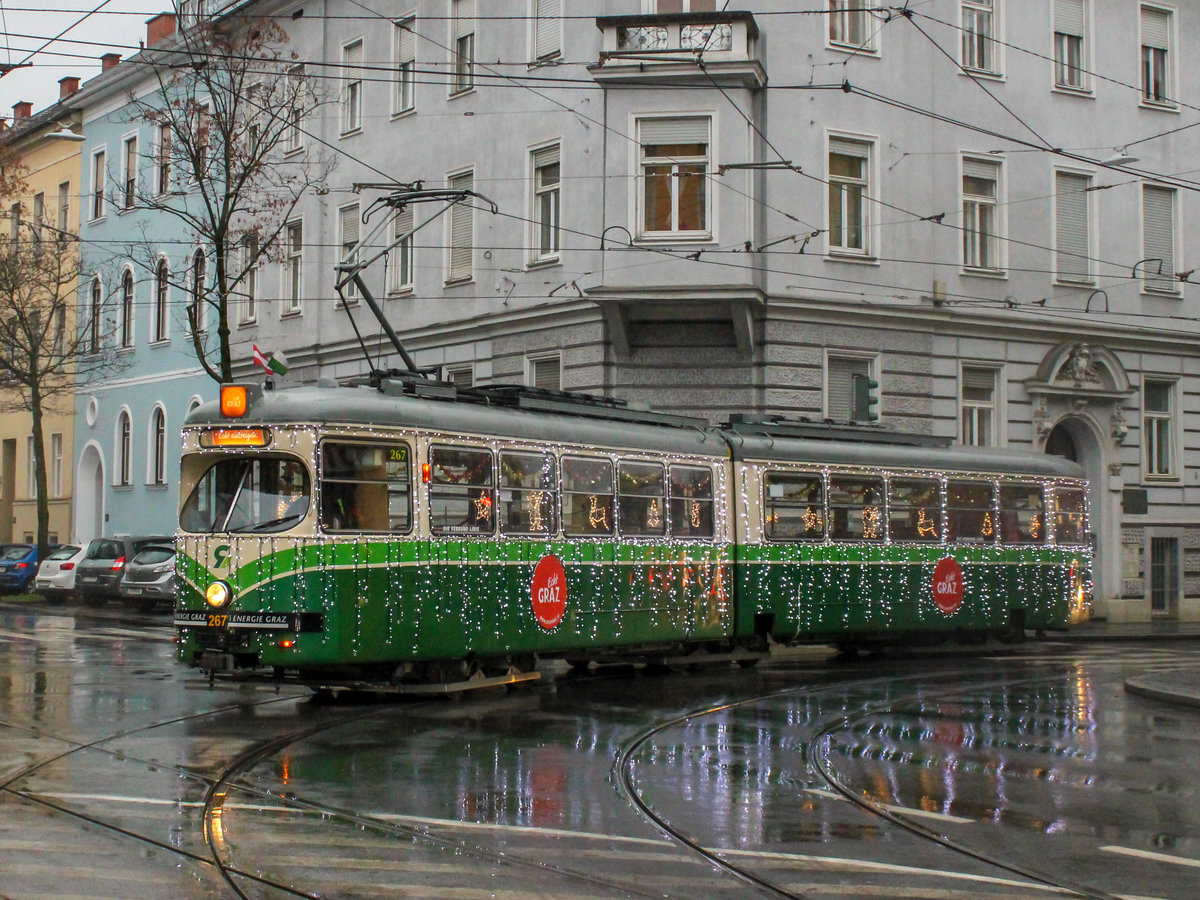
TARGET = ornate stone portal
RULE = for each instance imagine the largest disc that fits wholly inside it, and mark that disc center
(1080, 379)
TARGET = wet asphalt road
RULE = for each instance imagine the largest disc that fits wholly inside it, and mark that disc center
(961, 775)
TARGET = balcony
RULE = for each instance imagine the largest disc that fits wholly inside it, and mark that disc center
(680, 48)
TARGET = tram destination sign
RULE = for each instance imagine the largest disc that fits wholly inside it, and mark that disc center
(201, 619)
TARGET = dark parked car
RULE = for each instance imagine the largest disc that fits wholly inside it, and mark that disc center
(18, 565)
(98, 574)
(150, 577)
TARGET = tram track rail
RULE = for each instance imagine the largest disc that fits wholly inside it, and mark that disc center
(817, 752)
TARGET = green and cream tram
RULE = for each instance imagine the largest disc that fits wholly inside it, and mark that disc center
(374, 535)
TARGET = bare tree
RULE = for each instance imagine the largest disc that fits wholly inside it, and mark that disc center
(45, 350)
(229, 160)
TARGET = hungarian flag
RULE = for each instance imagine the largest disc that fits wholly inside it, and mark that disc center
(276, 363)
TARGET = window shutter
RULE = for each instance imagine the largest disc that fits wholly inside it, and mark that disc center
(848, 147)
(1071, 226)
(547, 373)
(464, 18)
(546, 156)
(352, 57)
(406, 42)
(839, 385)
(974, 379)
(980, 168)
(1069, 17)
(546, 29)
(461, 228)
(1158, 237)
(1156, 28)
(673, 131)
(349, 226)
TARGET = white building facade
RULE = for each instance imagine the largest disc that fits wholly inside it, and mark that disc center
(983, 205)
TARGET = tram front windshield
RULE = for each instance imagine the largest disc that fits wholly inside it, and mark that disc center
(248, 494)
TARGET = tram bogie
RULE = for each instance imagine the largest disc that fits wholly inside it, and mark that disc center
(354, 534)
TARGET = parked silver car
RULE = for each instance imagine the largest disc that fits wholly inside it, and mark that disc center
(149, 577)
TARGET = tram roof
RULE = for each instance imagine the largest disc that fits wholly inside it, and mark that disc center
(364, 406)
(989, 460)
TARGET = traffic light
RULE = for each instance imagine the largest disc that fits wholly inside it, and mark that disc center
(866, 399)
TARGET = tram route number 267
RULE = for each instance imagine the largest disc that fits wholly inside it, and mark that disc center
(216, 620)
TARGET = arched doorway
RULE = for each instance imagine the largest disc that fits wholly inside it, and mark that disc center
(1077, 438)
(1060, 443)
(89, 495)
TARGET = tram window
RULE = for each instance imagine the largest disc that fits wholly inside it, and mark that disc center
(587, 496)
(794, 506)
(855, 508)
(914, 509)
(1070, 523)
(248, 494)
(643, 499)
(691, 501)
(461, 489)
(366, 487)
(1022, 514)
(527, 493)
(970, 517)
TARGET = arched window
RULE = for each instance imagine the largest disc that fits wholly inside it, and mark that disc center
(124, 448)
(196, 313)
(162, 294)
(95, 309)
(127, 309)
(158, 427)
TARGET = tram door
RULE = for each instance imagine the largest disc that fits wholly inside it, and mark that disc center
(1164, 575)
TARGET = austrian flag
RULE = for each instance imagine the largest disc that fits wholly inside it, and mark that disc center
(276, 363)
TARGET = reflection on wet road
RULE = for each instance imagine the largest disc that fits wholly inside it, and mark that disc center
(1023, 775)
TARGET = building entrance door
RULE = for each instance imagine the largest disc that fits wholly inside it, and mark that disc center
(1164, 575)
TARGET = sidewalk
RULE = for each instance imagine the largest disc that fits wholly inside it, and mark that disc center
(1100, 630)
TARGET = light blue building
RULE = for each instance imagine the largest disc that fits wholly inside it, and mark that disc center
(136, 270)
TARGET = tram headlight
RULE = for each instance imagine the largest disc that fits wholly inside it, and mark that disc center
(218, 594)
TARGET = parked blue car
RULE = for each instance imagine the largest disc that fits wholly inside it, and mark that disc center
(18, 565)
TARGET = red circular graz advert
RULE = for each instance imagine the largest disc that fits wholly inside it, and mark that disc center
(549, 592)
(947, 585)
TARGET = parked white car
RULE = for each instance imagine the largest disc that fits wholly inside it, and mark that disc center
(55, 577)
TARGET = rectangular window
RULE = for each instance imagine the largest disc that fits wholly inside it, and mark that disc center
(293, 266)
(461, 258)
(99, 173)
(201, 138)
(39, 221)
(248, 266)
(545, 212)
(970, 516)
(462, 14)
(1156, 61)
(848, 25)
(400, 260)
(1070, 519)
(352, 73)
(348, 230)
(1158, 239)
(1158, 423)
(1072, 227)
(63, 220)
(366, 487)
(1070, 44)
(855, 508)
(849, 193)
(978, 33)
(914, 509)
(528, 493)
(14, 222)
(462, 377)
(691, 502)
(641, 499)
(547, 29)
(587, 496)
(977, 405)
(839, 384)
(461, 491)
(1022, 514)
(31, 486)
(794, 506)
(673, 167)
(404, 42)
(162, 159)
(544, 372)
(56, 465)
(293, 138)
(129, 186)
(981, 214)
